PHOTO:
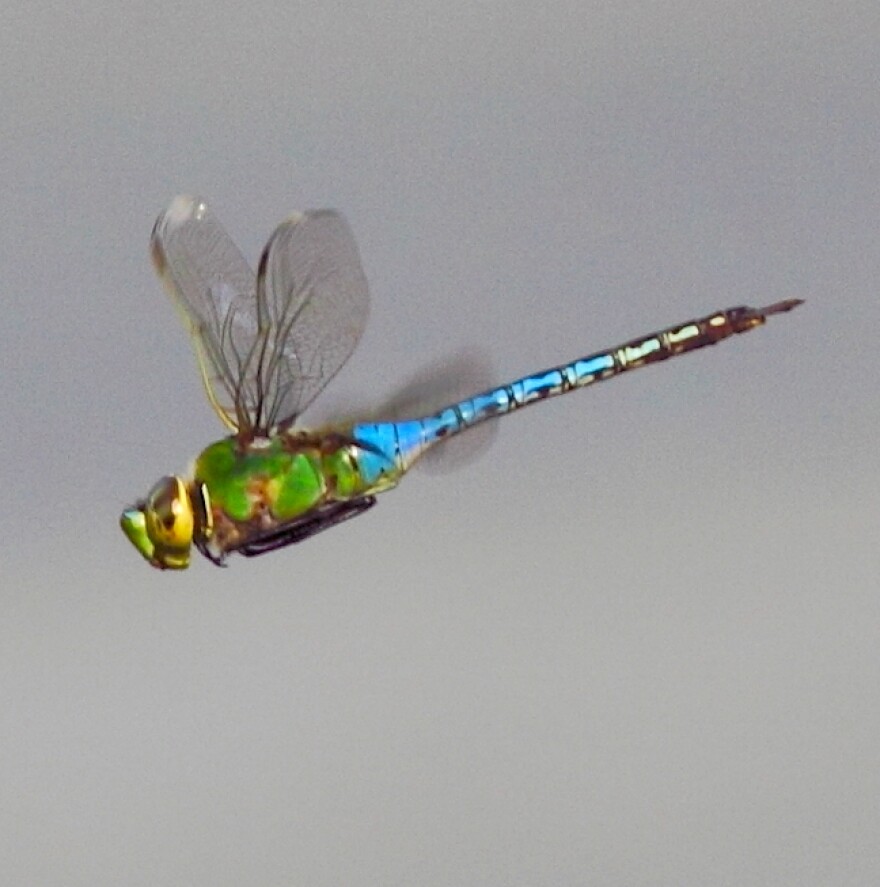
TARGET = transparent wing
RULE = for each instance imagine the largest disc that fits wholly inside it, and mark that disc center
(215, 289)
(266, 345)
(312, 303)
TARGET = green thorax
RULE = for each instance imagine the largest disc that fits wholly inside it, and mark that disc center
(280, 477)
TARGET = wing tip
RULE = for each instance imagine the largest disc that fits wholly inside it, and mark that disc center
(183, 208)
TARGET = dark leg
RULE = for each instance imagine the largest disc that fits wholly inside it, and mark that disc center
(306, 526)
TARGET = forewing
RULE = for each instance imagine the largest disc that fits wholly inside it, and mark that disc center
(312, 306)
(214, 288)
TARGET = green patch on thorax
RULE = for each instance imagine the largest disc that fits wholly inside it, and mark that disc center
(287, 482)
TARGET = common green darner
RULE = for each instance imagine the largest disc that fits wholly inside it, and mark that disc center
(267, 344)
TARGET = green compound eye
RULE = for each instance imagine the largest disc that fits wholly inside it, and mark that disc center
(161, 528)
(134, 525)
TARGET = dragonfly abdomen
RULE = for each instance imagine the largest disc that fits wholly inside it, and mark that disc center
(402, 443)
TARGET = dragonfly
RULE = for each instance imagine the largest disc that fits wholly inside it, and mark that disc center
(268, 343)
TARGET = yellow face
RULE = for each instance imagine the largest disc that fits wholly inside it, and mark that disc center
(162, 526)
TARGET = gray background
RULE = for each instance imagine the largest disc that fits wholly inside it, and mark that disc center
(637, 642)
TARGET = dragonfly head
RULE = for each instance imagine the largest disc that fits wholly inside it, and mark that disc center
(161, 527)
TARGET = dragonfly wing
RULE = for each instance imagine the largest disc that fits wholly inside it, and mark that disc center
(312, 306)
(214, 287)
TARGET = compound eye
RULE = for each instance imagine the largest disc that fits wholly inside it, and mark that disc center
(169, 514)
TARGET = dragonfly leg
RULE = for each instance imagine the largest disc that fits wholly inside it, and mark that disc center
(307, 526)
(218, 560)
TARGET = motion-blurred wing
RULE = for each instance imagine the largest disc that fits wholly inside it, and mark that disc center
(312, 306)
(214, 288)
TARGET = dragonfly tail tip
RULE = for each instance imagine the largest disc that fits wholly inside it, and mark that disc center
(781, 307)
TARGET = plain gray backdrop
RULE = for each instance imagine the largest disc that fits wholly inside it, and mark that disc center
(634, 644)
